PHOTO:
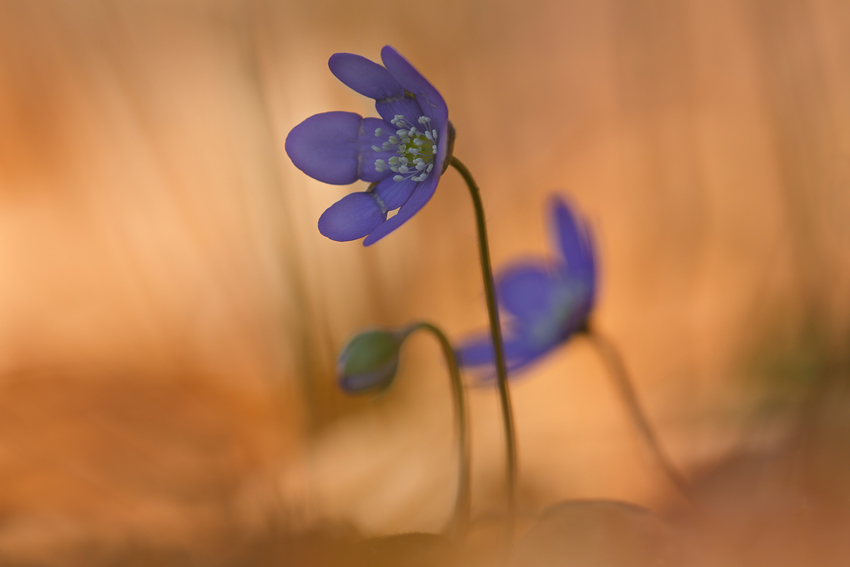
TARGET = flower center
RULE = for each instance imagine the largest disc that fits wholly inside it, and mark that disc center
(415, 149)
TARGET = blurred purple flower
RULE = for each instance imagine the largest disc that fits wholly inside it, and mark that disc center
(547, 302)
(402, 154)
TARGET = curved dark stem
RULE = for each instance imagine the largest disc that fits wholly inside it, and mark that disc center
(460, 519)
(617, 370)
(498, 346)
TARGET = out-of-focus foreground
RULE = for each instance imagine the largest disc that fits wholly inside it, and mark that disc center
(170, 316)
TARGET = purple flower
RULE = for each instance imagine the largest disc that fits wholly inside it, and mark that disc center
(402, 154)
(546, 301)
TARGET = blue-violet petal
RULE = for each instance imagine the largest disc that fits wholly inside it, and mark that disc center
(432, 103)
(572, 236)
(364, 76)
(421, 195)
(526, 290)
(394, 193)
(478, 352)
(325, 147)
(352, 217)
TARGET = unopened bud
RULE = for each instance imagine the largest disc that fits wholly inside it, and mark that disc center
(369, 361)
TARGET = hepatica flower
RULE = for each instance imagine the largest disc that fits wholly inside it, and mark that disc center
(402, 154)
(546, 301)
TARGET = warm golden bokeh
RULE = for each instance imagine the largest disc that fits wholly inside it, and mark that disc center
(171, 316)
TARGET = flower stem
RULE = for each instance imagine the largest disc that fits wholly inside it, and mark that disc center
(460, 519)
(617, 370)
(498, 346)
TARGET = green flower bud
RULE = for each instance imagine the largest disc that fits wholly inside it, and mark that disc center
(369, 361)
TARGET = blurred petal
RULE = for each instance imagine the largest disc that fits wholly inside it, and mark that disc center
(587, 272)
(478, 352)
(543, 330)
(421, 195)
(364, 76)
(574, 294)
(526, 290)
(352, 217)
(548, 303)
(567, 232)
(325, 147)
(432, 103)
(575, 242)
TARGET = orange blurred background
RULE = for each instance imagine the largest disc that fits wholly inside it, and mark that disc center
(171, 315)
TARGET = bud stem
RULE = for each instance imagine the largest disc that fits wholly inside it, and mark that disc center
(460, 519)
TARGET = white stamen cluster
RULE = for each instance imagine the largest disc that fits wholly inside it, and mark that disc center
(416, 149)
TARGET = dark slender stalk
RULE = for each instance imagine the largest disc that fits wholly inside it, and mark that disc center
(498, 346)
(460, 519)
(617, 370)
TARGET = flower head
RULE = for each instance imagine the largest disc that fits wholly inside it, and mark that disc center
(402, 154)
(546, 302)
